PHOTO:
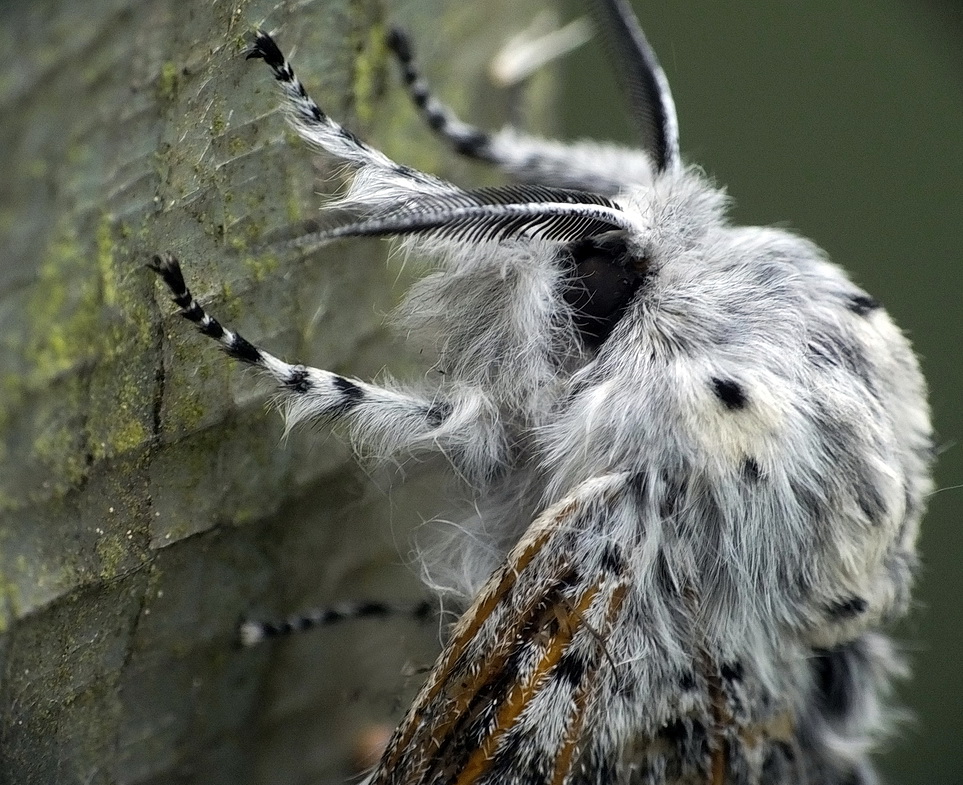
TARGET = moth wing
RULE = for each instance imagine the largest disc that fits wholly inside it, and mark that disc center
(512, 690)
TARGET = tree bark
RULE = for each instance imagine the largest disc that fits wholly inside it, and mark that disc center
(147, 501)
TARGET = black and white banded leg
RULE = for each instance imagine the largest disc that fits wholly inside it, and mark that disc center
(319, 130)
(600, 168)
(254, 632)
(391, 199)
(306, 393)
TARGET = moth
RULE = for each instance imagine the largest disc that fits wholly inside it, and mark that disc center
(698, 455)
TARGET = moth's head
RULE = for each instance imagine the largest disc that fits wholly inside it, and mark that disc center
(671, 224)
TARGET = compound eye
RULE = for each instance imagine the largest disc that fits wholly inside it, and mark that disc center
(601, 281)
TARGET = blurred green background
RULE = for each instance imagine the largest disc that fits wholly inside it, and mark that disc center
(844, 122)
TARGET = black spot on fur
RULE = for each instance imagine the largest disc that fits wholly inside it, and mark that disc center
(351, 392)
(372, 608)
(675, 732)
(423, 610)
(732, 671)
(687, 681)
(399, 43)
(751, 470)
(298, 380)
(265, 49)
(437, 413)
(862, 304)
(566, 581)
(473, 143)
(570, 669)
(420, 96)
(846, 609)
(184, 301)
(212, 328)
(612, 559)
(169, 269)
(730, 392)
(243, 350)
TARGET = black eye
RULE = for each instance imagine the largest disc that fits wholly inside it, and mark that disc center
(602, 276)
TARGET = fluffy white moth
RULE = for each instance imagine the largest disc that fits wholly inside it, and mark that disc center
(699, 456)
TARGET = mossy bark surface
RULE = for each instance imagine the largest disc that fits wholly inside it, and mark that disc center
(147, 500)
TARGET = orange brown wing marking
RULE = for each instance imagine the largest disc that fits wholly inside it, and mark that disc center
(521, 694)
(467, 628)
(721, 719)
(462, 692)
(531, 612)
(566, 756)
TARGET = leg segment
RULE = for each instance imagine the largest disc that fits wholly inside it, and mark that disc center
(381, 174)
(306, 393)
(464, 426)
(588, 166)
(254, 632)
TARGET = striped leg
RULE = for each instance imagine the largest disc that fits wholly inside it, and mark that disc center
(254, 632)
(307, 393)
(389, 199)
(588, 166)
(383, 180)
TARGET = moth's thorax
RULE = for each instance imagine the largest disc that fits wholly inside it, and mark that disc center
(775, 411)
(780, 421)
